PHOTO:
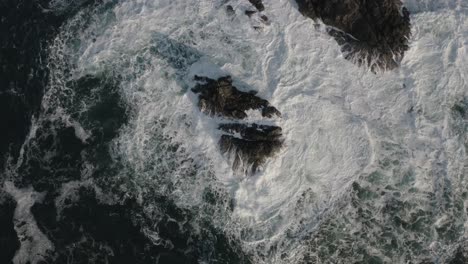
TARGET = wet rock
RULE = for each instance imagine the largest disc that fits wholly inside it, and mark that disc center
(220, 97)
(249, 13)
(258, 4)
(254, 145)
(230, 10)
(371, 33)
(250, 154)
(249, 145)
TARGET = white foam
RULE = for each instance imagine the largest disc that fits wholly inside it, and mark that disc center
(337, 118)
(34, 244)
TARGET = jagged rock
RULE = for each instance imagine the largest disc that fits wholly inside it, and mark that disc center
(372, 33)
(249, 145)
(220, 97)
(255, 144)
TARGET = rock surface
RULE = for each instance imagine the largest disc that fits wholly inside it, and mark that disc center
(248, 145)
(220, 97)
(371, 33)
(255, 144)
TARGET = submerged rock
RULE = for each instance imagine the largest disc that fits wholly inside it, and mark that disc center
(249, 145)
(220, 97)
(371, 33)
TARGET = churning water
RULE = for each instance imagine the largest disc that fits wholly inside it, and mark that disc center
(373, 168)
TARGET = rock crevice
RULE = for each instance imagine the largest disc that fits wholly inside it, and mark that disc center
(248, 145)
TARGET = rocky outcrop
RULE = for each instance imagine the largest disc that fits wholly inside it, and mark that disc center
(220, 97)
(248, 145)
(372, 33)
(255, 144)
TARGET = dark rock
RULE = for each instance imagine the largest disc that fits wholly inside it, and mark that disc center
(249, 153)
(371, 33)
(249, 13)
(220, 97)
(255, 144)
(258, 4)
(248, 144)
(264, 19)
(270, 111)
(230, 10)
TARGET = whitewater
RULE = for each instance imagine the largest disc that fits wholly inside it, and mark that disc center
(373, 162)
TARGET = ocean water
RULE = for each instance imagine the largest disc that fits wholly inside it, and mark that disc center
(372, 169)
